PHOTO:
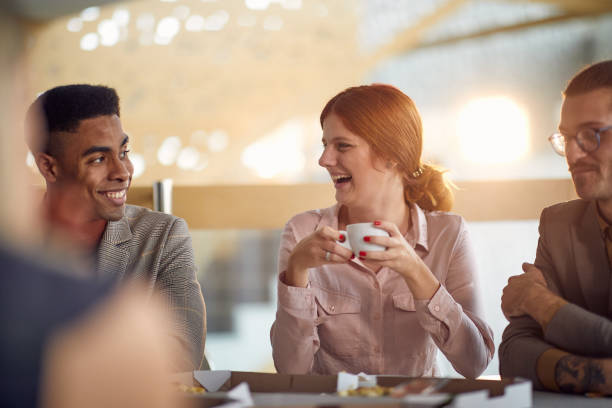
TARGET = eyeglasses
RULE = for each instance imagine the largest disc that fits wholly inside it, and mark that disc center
(588, 140)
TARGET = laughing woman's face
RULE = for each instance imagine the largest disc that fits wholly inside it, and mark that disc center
(360, 177)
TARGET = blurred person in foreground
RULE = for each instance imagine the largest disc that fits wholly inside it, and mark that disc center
(560, 333)
(71, 343)
(389, 311)
(65, 342)
(81, 150)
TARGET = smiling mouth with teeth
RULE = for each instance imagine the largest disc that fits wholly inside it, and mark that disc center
(341, 179)
(115, 194)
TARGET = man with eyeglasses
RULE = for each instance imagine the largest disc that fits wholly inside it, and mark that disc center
(560, 332)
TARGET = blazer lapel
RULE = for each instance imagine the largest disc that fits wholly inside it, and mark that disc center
(591, 261)
(113, 254)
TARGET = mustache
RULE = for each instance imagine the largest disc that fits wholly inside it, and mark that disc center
(582, 166)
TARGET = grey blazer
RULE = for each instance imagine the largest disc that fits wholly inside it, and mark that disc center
(156, 248)
(572, 256)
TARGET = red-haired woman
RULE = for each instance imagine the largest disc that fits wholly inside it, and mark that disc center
(388, 311)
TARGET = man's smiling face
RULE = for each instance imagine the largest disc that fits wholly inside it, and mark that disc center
(94, 163)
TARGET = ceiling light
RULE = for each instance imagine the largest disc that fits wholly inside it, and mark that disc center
(169, 150)
(90, 14)
(121, 16)
(74, 25)
(89, 42)
(493, 130)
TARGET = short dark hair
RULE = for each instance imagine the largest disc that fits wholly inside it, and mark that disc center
(61, 109)
(590, 78)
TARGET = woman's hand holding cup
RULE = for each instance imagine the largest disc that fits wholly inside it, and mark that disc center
(319, 248)
(401, 257)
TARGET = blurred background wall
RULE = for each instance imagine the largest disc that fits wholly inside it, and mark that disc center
(228, 93)
(14, 216)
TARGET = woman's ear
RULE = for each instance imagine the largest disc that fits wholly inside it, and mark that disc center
(48, 166)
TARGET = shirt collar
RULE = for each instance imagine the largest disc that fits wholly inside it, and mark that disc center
(417, 234)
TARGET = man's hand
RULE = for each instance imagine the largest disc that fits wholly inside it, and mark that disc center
(520, 288)
(528, 294)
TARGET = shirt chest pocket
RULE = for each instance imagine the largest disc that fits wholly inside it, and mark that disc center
(408, 331)
(404, 316)
(338, 322)
(404, 302)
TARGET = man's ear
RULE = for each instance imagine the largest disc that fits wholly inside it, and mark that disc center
(48, 166)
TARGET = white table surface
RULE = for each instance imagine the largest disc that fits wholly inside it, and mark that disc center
(540, 399)
(551, 399)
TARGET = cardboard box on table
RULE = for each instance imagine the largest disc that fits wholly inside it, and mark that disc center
(316, 390)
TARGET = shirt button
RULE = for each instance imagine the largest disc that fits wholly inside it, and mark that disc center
(436, 308)
(332, 308)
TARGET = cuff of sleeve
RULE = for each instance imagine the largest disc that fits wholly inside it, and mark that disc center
(545, 367)
(293, 297)
(439, 306)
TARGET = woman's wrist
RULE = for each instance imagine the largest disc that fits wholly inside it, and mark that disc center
(295, 275)
(422, 283)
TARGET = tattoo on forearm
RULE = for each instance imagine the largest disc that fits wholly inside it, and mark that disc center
(579, 375)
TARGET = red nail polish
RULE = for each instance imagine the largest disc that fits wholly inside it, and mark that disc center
(366, 239)
(342, 238)
(362, 253)
(376, 222)
(353, 256)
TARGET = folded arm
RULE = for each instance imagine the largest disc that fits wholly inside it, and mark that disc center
(545, 330)
(524, 353)
(576, 374)
(571, 329)
(580, 331)
(521, 347)
(561, 371)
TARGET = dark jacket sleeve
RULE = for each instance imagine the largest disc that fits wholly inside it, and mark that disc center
(523, 341)
(572, 329)
(579, 331)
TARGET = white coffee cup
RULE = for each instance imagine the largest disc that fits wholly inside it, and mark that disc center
(354, 237)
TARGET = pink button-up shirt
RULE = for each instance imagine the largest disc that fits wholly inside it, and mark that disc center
(352, 319)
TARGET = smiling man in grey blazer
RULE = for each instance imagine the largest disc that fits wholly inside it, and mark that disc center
(80, 148)
(560, 332)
